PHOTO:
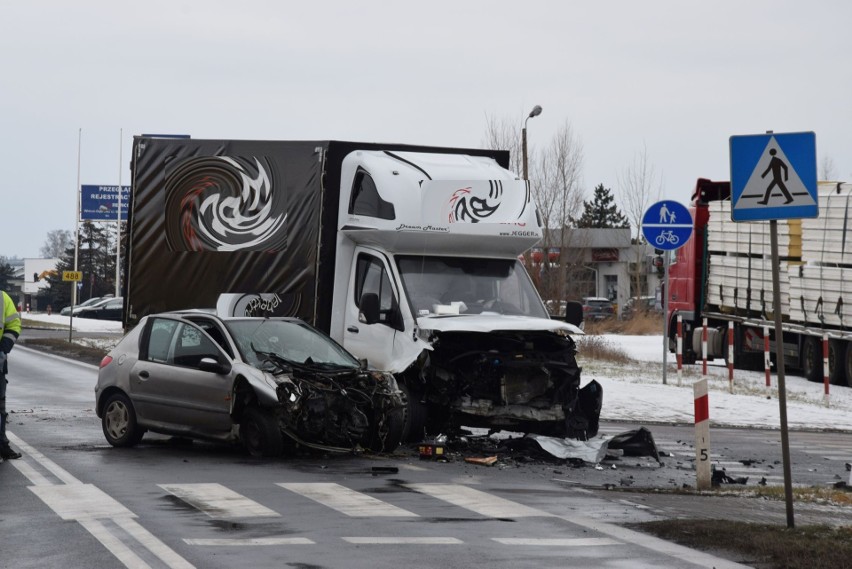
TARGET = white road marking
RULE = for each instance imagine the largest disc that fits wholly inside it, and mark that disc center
(219, 502)
(89, 505)
(255, 541)
(346, 501)
(404, 540)
(558, 542)
(477, 501)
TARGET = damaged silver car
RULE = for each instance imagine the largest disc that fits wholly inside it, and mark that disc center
(263, 382)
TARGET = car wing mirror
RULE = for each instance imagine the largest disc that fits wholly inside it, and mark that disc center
(573, 312)
(214, 366)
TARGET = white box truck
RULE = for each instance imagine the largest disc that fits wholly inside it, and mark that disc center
(407, 256)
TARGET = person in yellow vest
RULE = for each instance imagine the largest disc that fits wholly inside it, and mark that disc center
(10, 329)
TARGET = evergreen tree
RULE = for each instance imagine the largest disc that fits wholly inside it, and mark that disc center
(601, 212)
(7, 273)
(95, 259)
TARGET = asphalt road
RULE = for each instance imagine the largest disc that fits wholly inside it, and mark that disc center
(73, 501)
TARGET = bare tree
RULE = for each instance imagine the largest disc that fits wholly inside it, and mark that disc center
(505, 134)
(639, 188)
(555, 182)
(56, 244)
(827, 169)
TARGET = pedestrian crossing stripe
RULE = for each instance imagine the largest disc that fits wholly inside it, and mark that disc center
(773, 176)
(218, 502)
(346, 501)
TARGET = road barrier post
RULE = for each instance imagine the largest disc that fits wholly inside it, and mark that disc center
(702, 435)
(767, 366)
(825, 370)
(704, 348)
(731, 356)
(679, 350)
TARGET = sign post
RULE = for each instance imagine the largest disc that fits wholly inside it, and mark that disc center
(667, 225)
(74, 277)
(766, 169)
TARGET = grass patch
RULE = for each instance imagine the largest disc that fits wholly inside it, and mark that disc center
(641, 324)
(761, 545)
(42, 325)
(597, 348)
(64, 348)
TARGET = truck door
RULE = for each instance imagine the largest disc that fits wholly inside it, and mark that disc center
(374, 324)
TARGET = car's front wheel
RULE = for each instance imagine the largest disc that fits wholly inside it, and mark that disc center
(260, 434)
(119, 422)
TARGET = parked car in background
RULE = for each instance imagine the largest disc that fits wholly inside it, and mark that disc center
(597, 308)
(106, 309)
(259, 381)
(641, 305)
(67, 310)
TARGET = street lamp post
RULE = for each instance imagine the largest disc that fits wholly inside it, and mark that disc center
(533, 113)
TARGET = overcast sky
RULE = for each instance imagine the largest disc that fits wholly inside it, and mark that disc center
(677, 78)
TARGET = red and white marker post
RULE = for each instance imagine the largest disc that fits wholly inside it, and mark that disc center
(704, 348)
(679, 350)
(731, 356)
(767, 366)
(825, 366)
(702, 435)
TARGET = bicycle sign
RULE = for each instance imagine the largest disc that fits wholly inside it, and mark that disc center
(666, 237)
(667, 225)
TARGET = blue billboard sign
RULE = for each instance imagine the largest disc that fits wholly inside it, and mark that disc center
(98, 203)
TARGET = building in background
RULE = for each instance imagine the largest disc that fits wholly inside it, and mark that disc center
(35, 283)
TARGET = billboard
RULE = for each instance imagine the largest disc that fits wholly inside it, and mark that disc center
(98, 203)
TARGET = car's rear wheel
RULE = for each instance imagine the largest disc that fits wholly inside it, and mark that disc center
(119, 422)
(260, 434)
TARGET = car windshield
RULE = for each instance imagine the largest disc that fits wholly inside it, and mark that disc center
(449, 285)
(291, 340)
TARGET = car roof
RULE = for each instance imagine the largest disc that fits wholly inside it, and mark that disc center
(596, 299)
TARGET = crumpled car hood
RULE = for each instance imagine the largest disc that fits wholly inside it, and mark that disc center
(491, 323)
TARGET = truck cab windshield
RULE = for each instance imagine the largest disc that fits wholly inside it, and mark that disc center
(453, 285)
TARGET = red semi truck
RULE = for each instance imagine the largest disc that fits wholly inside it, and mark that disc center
(723, 273)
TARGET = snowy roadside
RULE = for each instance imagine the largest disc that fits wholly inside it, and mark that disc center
(635, 393)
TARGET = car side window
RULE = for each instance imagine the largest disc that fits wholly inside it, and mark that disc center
(179, 343)
(160, 340)
(214, 332)
(191, 346)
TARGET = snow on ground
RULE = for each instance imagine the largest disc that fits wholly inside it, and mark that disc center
(636, 393)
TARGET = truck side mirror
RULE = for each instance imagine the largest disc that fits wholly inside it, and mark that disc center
(574, 312)
(369, 308)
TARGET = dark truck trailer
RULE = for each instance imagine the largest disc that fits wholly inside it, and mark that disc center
(405, 255)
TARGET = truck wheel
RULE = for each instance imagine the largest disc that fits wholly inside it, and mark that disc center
(119, 422)
(260, 434)
(837, 362)
(812, 358)
(415, 415)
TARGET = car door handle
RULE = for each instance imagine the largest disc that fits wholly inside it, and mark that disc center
(353, 329)
(144, 374)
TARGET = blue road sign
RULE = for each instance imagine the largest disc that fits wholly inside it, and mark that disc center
(773, 176)
(667, 225)
(99, 203)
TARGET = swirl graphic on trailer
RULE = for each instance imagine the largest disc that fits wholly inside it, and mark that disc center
(222, 203)
(467, 208)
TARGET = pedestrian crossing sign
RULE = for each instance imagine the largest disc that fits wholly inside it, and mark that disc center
(773, 176)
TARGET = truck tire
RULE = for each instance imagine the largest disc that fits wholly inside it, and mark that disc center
(415, 415)
(812, 358)
(837, 373)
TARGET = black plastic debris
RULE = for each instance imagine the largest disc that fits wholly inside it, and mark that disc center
(719, 477)
(639, 442)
